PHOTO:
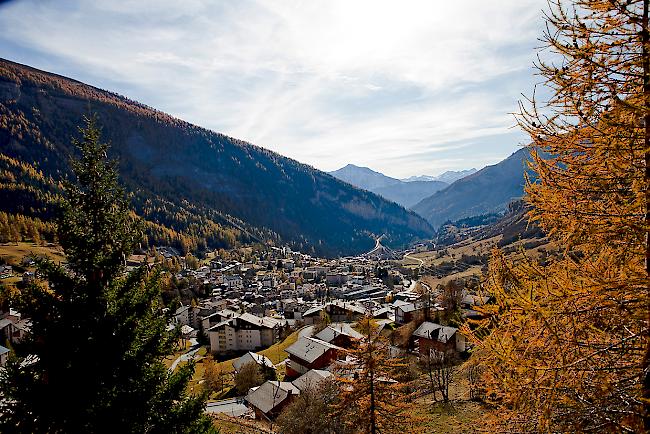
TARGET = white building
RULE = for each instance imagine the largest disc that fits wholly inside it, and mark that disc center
(245, 332)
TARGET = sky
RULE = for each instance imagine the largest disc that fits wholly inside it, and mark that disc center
(404, 87)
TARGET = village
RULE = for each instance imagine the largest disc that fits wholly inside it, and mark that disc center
(233, 306)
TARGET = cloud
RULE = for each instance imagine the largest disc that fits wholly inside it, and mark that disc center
(404, 87)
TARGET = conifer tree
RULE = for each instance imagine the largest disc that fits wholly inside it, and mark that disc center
(93, 359)
(569, 346)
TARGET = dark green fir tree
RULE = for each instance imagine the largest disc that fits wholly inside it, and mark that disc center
(92, 362)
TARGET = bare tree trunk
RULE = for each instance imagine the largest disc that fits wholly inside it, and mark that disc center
(373, 422)
(645, 39)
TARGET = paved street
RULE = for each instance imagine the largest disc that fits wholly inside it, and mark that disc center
(231, 407)
(185, 357)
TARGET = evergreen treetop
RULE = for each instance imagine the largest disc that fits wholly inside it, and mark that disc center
(92, 361)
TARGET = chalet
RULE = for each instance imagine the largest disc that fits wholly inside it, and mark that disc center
(470, 301)
(167, 252)
(383, 313)
(244, 332)
(215, 318)
(430, 336)
(269, 281)
(309, 353)
(19, 330)
(269, 399)
(340, 334)
(264, 362)
(340, 311)
(6, 329)
(182, 315)
(311, 316)
(188, 332)
(233, 282)
(336, 278)
(311, 378)
(407, 312)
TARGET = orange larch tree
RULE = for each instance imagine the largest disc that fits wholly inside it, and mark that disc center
(566, 344)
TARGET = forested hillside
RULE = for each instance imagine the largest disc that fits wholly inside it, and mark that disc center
(489, 190)
(195, 189)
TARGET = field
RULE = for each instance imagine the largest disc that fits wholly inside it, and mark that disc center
(460, 415)
(13, 253)
(534, 248)
(232, 425)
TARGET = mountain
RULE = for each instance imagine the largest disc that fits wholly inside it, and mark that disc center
(489, 190)
(408, 194)
(419, 178)
(446, 177)
(363, 177)
(451, 176)
(404, 193)
(193, 188)
(512, 226)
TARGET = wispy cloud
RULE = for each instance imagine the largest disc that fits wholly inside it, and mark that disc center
(404, 87)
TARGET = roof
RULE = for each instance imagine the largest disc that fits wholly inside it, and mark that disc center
(226, 313)
(24, 325)
(271, 394)
(254, 319)
(382, 311)
(313, 310)
(429, 330)
(254, 358)
(220, 324)
(349, 306)
(310, 349)
(311, 378)
(410, 307)
(182, 309)
(3, 350)
(475, 300)
(333, 330)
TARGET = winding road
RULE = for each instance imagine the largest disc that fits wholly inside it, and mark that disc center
(185, 357)
(408, 256)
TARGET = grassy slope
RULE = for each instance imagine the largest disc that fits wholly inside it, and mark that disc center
(14, 253)
(459, 416)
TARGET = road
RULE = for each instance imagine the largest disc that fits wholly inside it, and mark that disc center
(408, 256)
(232, 407)
(185, 357)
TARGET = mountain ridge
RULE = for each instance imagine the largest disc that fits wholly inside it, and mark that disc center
(183, 175)
(448, 176)
(488, 190)
(399, 191)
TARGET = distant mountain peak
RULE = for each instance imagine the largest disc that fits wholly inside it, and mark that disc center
(363, 177)
(404, 193)
(449, 176)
